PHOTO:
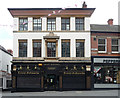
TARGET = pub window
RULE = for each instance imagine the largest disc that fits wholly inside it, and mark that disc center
(37, 24)
(51, 24)
(102, 45)
(36, 48)
(23, 24)
(51, 49)
(79, 22)
(65, 23)
(66, 48)
(115, 45)
(22, 48)
(80, 48)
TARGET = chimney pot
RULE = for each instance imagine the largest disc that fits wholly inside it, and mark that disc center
(110, 22)
(84, 5)
(10, 51)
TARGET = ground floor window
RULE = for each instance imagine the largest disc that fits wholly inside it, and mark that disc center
(106, 74)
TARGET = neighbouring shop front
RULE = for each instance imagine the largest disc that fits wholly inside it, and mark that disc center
(106, 70)
(51, 76)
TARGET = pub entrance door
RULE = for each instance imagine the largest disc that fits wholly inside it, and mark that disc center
(51, 82)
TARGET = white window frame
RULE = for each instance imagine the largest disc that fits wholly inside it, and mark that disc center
(118, 46)
(105, 46)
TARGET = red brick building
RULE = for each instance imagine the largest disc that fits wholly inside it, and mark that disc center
(105, 52)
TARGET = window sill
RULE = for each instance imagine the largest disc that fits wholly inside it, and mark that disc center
(51, 58)
(115, 52)
(102, 52)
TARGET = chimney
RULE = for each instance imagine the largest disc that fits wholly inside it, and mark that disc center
(110, 22)
(84, 5)
(10, 51)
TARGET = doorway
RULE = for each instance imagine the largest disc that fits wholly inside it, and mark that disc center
(51, 82)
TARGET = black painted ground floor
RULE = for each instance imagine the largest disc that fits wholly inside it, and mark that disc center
(51, 76)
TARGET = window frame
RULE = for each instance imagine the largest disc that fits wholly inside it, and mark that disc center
(65, 23)
(102, 45)
(79, 41)
(22, 41)
(51, 24)
(79, 23)
(51, 48)
(65, 41)
(115, 45)
(37, 41)
(23, 26)
(38, 23)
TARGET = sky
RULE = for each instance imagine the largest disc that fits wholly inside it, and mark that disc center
(105, 9)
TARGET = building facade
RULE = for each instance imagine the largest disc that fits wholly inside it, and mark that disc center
(5, 68)
(119, 13)
(51, 51)
(105, 51)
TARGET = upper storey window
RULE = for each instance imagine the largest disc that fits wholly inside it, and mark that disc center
(79, 22)
(51, 49)
(115, 45)
(51, 24)
(80, 50)
(23, 24)
(65, 24)
(22, 48)
(102, 45)
(66, 48)
(36, 48)
(37, 24)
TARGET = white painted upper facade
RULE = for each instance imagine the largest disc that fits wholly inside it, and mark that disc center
(72, 34)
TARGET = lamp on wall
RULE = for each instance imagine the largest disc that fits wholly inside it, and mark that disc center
(14, 68)
(88, 68)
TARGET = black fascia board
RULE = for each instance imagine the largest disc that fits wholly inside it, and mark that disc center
(105, 56)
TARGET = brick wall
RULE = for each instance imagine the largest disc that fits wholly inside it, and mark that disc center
(108, 37)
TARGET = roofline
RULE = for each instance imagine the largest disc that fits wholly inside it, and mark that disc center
(51, 9)
(6, 51)
(103, 25)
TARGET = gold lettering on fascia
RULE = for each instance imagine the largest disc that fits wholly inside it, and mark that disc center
(19, 72)
(68, 73)
(51, 68)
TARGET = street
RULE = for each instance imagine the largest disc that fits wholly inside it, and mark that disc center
(92, 93)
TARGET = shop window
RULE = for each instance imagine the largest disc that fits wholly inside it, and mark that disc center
(101, 45)
(51, 24)
(106, 74)
(23, 24)
(36, 48)
(22, 48)
(80, 48)
(79, 22)
(37, 24)
(65, 23)
(115, 45)
(65, 48)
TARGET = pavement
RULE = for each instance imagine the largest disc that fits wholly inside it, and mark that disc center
(74, 94)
